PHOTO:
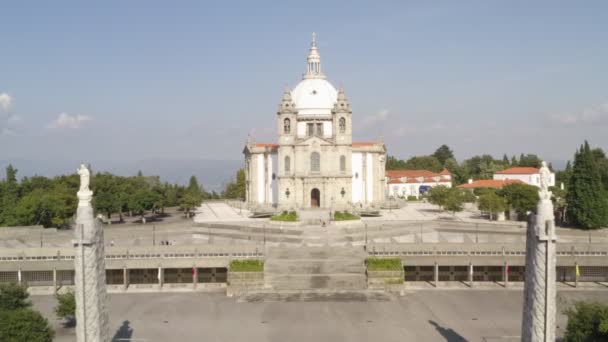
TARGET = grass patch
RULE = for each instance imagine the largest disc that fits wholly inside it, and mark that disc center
(247, 266)
(286, 216)
(344, 216)
(384, 264)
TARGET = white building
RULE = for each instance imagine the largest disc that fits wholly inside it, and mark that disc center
(528, 175)
(315, 163)
(404, 183)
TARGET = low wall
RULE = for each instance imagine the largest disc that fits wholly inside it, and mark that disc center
(384, 279)
(240, 282)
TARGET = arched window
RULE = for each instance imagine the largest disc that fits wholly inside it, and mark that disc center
(315, 162)
(342, 164)
(286, 126)
(287, 164)
(342, 124)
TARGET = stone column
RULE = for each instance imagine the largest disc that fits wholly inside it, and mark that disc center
(194, 277)
(436, 274)
(576, 274)
(19, 276)
(539, 292)
(90, 271)
(470, 274)
(54, 279)
(506, 274)
(160, 277)
(125, 277)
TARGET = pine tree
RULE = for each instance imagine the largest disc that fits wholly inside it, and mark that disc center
(505, 160)
(587, 203)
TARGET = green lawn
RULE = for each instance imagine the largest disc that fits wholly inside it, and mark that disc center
(247, 266)
(286, 216)
(384, 264)
(344, 216)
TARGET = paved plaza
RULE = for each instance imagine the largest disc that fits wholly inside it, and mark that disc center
(445, 315)
(222, 224)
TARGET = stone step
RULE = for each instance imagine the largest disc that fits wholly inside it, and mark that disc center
(302, 266)
(257, 296)
(322, 252)
(340, 281)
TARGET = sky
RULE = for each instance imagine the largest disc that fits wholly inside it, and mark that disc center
(118, 81)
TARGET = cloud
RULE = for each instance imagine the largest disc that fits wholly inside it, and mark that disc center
(5, 101)
(65, 120)
(377, 118)
(597, 115)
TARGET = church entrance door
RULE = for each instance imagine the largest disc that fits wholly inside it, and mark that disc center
(315, 198)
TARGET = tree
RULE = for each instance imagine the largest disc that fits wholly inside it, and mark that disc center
(24, 325)
(18, 322)
(587, 322)
(189, 202)
(587, 200)
(523, 198)
(107, 191)
(66, 305)
(393, 163)
(241, 184)
(459, 173)
(505, 160)
(424, 163)
(455, 200)
(437, 195)
(529, 160)
(442, 154)
(490, 201)
(13, 296)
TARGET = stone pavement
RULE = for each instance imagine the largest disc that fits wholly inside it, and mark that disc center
(417, 316)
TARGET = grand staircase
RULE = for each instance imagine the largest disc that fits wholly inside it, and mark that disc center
(315, 268)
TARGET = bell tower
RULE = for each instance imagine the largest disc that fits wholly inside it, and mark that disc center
(342, 120)
(286, 119)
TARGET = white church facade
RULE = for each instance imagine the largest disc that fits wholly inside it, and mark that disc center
(315, 163)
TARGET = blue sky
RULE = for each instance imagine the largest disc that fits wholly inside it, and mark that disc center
(121, 80)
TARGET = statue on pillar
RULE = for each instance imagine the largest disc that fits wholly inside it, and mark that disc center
(539, 289)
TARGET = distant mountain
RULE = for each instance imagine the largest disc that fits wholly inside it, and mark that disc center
(213, 174)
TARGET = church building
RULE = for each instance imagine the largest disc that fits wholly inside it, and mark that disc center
(315, 163)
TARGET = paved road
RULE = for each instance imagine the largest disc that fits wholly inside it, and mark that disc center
(433, 315)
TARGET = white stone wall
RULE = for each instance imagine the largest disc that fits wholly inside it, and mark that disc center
(273, 173)
(260, 178)
(411, 189)
(532, 179)
(357, 177)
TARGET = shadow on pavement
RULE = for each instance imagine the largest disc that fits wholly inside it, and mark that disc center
(123, 333)
(449, 334)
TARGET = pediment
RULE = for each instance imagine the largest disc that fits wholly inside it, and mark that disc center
(315, 141)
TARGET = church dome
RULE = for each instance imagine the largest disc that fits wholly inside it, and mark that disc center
(314, 96)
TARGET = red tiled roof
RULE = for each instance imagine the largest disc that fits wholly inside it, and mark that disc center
(445, 172)
(363, 143)
(267, 145)
(412, 176)
(490, 183)
(409, 173)
(518, 171)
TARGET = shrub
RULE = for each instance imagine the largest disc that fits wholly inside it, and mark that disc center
(344, 216)
(285, 216)
(66, 305)
(587, 321)
(412, 198)
(247, 266)
(384, 264)
(24, 325)
(13, 296)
